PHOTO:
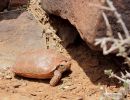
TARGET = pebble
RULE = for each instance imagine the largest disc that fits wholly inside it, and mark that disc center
(8, 77)
(33, 94)
(80, 98)
(16, 85)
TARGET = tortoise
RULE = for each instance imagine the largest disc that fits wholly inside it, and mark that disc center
(41, 64)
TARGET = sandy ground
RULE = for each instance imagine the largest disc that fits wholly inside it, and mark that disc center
(84, 80)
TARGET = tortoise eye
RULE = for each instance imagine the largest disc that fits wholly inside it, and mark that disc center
(61, 65)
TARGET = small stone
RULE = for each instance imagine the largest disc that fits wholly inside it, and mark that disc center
(80, 98)
(48, 31)
(34, 94)
(16, 85)
(24, 84)
(8, 77)
(66, 87)
(1, 74)
(71, 88)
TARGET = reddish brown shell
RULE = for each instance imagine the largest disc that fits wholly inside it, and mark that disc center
(38, 63)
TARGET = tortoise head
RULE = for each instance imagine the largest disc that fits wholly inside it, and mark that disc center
(64, 66)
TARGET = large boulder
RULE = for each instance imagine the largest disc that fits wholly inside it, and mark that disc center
(86, 18)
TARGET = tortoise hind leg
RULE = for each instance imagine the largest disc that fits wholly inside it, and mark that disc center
(56, 78)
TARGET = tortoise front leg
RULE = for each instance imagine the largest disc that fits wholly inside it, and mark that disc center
(56, 78)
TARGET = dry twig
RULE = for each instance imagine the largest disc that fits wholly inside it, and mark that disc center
(118, 16)
(119, 44)
(109, 30)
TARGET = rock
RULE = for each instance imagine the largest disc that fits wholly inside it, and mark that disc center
(12, 4)
(17, 84)
(8, 77)
(3, 4)
(16, 3)
(33, 94)
(87, 19)
(80, 98)
(24, 34)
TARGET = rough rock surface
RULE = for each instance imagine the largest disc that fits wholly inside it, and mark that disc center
(17, 3)
(19, 31)
(84, 17)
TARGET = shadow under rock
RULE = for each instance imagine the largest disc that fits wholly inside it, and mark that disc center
(92, 62)
(10, 14)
